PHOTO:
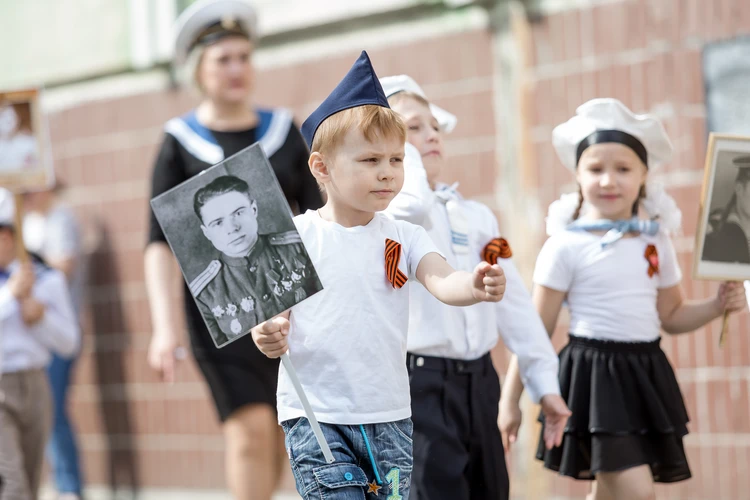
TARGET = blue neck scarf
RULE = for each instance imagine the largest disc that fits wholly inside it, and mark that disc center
(616, 229)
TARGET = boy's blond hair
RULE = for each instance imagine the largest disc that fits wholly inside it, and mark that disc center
(405, 94)
(375, 122)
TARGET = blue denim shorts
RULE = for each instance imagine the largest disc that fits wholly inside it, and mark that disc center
(355, 448)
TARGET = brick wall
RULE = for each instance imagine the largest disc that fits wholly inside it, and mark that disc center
(647, 53)
(135, 431)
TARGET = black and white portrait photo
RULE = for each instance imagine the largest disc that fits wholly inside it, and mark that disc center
(232, 233)
(723, 236)
(24, 163)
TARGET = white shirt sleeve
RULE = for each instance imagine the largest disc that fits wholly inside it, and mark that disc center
(420, 244)
(553, 268)
(524, 334)
(416, 198)
(670, 273)
(58, 330)
(8, 303)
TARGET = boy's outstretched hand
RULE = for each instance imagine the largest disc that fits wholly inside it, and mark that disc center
(271, 336)
(488, 282)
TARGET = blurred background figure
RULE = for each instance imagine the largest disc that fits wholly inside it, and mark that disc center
(37, 320)
(214, 45)
(51, 230)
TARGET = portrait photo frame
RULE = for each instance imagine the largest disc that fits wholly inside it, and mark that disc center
(25, 158)
(722, 250)
(233, 235)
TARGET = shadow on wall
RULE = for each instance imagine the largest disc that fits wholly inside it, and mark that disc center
(108, 344)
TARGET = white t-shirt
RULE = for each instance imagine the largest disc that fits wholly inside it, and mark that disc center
(609, 292)
(348, 342)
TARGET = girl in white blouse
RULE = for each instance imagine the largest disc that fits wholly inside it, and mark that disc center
(609, 256)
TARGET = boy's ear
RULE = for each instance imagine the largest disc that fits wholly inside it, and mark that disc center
(319, 167)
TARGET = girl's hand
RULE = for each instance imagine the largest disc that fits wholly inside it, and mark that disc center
(731, 297)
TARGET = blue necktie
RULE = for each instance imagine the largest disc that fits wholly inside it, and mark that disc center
(616, 229)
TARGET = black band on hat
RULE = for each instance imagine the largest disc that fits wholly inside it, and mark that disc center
(215, 32)
(617, 136)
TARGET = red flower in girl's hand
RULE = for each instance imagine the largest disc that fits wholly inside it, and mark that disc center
(652, 256)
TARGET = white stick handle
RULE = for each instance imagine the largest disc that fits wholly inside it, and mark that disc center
(289, 367)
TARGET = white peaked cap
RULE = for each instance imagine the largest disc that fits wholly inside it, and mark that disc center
(610, 114)
(204, 13)
(404, 83)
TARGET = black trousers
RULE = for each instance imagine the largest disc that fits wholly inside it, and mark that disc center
(458, 451)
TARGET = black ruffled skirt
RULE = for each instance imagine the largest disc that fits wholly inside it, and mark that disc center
(627, 411)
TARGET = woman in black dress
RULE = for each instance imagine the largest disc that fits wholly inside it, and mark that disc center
(730, 242)
(215, 42)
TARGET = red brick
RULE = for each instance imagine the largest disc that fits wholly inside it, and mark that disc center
(690, 19)
(659, 19)
(588, 86)
(573, 84)
(559, 111)
(556, 37)
(659, 80)
(588, 32)
(743, 460)
(475, 113)
(572, 33)
(686, 347)
(638, 79)
(741, 16)
(153, 417)
(739, 414)
(69, 170)
(135, 164)
(622, 84)
(637, 22)
(718, 20)
(542, 97)
(617, 29)
(121, 267)
(130, 365)
(687, 64)
(603, 29)
(475, 172)
(540, 43)
(604, 83)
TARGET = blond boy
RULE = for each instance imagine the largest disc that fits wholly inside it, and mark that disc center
(348, 342)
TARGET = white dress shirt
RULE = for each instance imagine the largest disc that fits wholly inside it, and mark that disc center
(24, 347)
(466, 333)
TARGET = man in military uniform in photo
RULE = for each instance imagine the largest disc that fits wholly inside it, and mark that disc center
(257, 275)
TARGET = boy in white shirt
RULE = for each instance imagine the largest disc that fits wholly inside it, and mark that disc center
(458, 450)
(348, 342)
(36, 319)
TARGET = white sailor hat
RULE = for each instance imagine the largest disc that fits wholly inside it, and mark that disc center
(404, 83)
(7, 208)
(207, 21)
(609, 120)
